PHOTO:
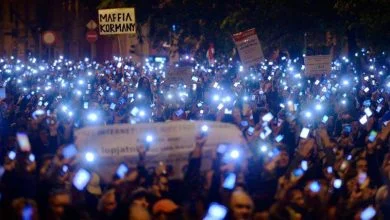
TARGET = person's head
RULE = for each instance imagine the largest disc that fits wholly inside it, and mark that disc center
(58, 201)
(165, 209)
(138, 213)
(241, 205)
(295, 198)
(25, 209)
(361, 165)
(140, 198)
(107, 203)
(284, 158)
(44, 136)
(143, 83)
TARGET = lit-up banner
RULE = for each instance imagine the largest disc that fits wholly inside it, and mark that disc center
(318, 65)
(117, 21)
(248, 47)
(172, 143)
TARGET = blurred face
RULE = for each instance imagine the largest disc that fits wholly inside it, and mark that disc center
(241, 206)
(58, 202)
(361, 166)
(297, 198)
(283, 160)
(109, 203)
(141, 202)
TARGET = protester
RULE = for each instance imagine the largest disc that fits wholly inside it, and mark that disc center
(317, 147)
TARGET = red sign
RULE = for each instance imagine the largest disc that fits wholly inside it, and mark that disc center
(49, 37)
(91, 36)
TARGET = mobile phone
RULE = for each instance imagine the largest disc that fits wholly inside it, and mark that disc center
(85, 105)
(304, 165)
(347, 129)
(228, 112)
(112, 106)
(64, 169)
(362, 176)
(23, 142)
(372, 136)
(268, 117)
(363, 120)
(12, 155)
(251, 130)
(204, 130)
(244, 123)
(230, 181)
(31, 157)
(367, 103)
(2, 93)
(368, 112)
(69, 151)
(27, 212)
(325, 119)
(337, 183)
(368, 213)
(216, 212)
(329, 169)
(81, 179)
(378, 108)
(304, 133)
(298, 172)
(315, 186)
(179, 112)
(279, 138)
(221, 148)
(122, 170)
(200, 105)
(195, 79)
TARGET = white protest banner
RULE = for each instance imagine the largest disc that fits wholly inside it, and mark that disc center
(117, 21)
(318, 65)
(179, 75)
(173, 141)
(249, 47)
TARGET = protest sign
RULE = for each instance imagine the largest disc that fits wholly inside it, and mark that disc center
(173, 141)
(117, 21)
(249, 47)
(317, 65)
(179, 75)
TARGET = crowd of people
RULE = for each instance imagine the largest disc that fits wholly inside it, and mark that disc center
(318, 144)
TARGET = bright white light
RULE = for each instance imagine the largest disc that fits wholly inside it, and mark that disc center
(205, 128)
(263, 148)
(308, 114)
(149, 138)
(142, 113)
(345, 82)
(343, 102)
(92, 117)
(31, 157)
(216, 97)
(318, 107)
(337, 183)
(90, 157)
(234, 154)
(169, 96)
(81, 82)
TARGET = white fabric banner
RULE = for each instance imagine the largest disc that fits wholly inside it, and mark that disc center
(318, 65)
(117, 21)
(173, 141)
(249, 47)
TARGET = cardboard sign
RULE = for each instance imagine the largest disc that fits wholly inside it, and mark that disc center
(172, 143)
(318, 65)
(117, 21)
(249, 47)
(179, 75)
